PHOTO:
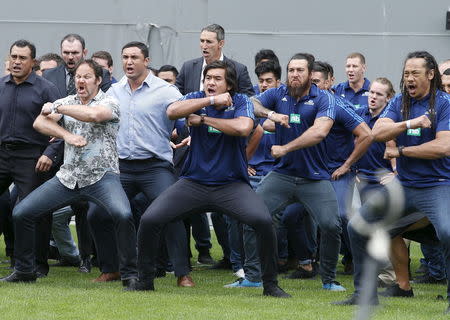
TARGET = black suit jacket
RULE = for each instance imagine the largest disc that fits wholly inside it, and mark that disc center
(58, 77)
(190, 74)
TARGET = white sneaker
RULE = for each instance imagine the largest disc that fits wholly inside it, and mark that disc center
(240, 273)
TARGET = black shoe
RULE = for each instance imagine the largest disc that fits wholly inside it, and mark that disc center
(353, 300)
(129, 282)
(85, 266)
(41, 271)
(140, 286)
(160, 273)
(204, 257)
(350, 301)
(396, 291)
(428, 279)
(64, 262)
(276, 292)
(223, 264)
(53, 253)
(301, 273)
(17, 276)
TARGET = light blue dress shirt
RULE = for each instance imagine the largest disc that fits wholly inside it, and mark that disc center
(145, 129)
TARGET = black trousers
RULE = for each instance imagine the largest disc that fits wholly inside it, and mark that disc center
(151, 177)
(235, 199)
(6, 224)
(17, 165)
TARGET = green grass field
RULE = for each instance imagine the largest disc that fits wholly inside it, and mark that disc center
(67, 294)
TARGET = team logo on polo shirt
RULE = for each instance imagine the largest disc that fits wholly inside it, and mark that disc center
(294, 118)
(284, 99)
(365, 94)
(213, 130)
(230, 108)
(413, 132)
(309, 103)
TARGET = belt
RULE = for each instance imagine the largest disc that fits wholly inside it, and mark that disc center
(16, 146)
(138, 161)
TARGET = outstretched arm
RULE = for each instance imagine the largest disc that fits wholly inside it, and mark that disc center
(80, 112)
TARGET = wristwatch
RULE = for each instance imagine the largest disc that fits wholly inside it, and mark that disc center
(55, 107)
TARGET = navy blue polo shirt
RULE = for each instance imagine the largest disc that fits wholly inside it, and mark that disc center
(340, 139)
(312, 162)
(414, 172)
(372, 161)
(262, 160)
(19, 107)
(359, 99)
(216, 158)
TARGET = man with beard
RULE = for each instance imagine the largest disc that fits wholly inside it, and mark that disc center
(303, 115)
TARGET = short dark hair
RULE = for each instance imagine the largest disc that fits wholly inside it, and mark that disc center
(22, 44)
(71, 37)
(230, 73)
(98, 70)
(105, 55)
(51, 57)
(268, 66)
(446, 72)
(303, 56)
(266, 54)
(357, 55)
(142, 46)
(217, 29)
(323, 67)
(168, 67)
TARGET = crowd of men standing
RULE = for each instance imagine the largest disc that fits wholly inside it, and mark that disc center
(140, 161)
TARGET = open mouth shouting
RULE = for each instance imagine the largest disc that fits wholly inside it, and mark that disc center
(412, 89)
(81, 89)
(129, 70)
(211, 91)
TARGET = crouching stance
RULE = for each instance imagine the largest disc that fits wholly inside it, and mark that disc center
(214, 176)
(88, 122)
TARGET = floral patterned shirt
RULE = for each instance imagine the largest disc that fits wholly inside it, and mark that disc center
(84, 166)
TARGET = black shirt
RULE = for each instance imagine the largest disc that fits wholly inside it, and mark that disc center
(19, 107)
